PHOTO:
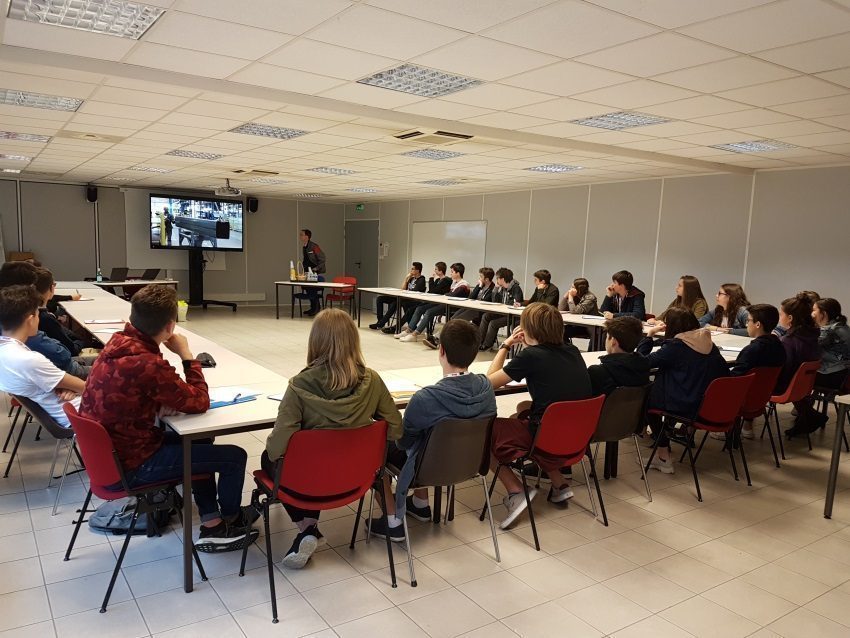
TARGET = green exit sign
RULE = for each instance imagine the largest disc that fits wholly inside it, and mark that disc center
(360, 208)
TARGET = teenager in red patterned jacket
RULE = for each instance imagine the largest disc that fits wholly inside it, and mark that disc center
(131, 383)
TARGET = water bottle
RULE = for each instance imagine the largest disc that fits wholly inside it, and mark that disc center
(293, 274)
(99, 275)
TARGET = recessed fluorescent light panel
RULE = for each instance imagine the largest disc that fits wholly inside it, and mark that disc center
(23, 137)
(266, 180)
(265, 130)
(754, 146)
(11, 170)
(16, 158)
(111, 17)
(329, 170)
(311, 195)
(150, 169)
(554, 168)
(195, 155)
(363, 190)
(119, 179)
(10, 97)
(419, 80)
(432, 154)
(442, 182)
(620, 120)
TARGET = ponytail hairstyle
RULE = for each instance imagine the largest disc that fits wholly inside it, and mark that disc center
(691, 292)
(832, 309)
(737, 300)
(799, 308)
(582, 287)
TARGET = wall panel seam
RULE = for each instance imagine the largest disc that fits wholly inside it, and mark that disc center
(749, 227)
(657, 242)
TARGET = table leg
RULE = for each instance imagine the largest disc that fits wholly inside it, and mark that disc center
(277, 301)
(398, 314)
(292, 302)
(359, 302)
(188, 576)
(836, 458)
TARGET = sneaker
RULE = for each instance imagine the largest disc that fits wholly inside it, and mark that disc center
(225, 538)
(665, 467)
(403, 333)
(388, 330)
(379, 529)
(247, 516)
(561, 495)
(431, 342)
(375, 326)
(515, 504)
(410, 336)
(419, 513)
(302, 549)
(747, 434)
(719, 436)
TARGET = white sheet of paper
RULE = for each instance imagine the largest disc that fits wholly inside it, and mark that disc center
(276, 397)
(100, 321)
(229, 393)
(106, 331)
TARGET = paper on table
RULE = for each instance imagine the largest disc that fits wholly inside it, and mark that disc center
(493, 303)
(276, 397)
(80, 299)
(230, 393)
(99, 321)
(401, 388)
(106, 331)
(516, 383)
(732, 348)
(593, 317)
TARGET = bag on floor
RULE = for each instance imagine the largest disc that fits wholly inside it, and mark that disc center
(114, 517)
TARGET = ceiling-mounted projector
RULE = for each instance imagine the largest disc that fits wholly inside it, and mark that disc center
(227, 190)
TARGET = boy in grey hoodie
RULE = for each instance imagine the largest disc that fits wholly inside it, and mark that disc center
(460, 394)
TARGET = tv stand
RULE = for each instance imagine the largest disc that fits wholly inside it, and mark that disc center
(196, 282)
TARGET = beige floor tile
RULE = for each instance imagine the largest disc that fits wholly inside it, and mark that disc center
(554, 538)
(816, 566)
(805, 624)
(550, 621)
(834, 605)
(648, 589)
(494, 630)
(789, 585)
(25, 607)
(390, 622)
(447, 613)
(461, 564)
(174, 609)
(296, 616)
(758, 544)
(705, 619)
(836, 547)
(689, 573)
(596, 561)
(81, 594)
(221, 627)
(635, 547)
(673, 535)
(121, 620)
(652, 627)
(347, 600)
(501, 594)
(603, 608)
(749, 601)
(44, 629)
(514, 550)
(239, 592)
(552, 578)
(428, 582)
(724, 557)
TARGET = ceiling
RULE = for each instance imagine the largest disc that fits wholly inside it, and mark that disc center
(721, 71)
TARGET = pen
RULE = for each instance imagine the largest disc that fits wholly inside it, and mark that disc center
(236, 398)
(78, 290)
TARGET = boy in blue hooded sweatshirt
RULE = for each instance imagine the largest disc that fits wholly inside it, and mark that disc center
(460, 394)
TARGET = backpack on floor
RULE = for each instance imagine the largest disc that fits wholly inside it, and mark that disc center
(114, 517)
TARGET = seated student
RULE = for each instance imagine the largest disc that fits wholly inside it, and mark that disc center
(686, 363)
(483, 291)
(834, 343)
(622, 366)
(336, 390)
(544, 290)
(730, 314)
(578, 301)
(764, 351)
(507, 292)
(131, 383)
(17, 273)
(438, 284)
(23, 371)
(554, 371)
(414, 282)
(688, 295)
(458, 288)
(460, 394)
(622, 297)
(780, 330)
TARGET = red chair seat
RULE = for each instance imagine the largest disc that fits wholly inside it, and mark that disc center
(14, 402)
(111, 495)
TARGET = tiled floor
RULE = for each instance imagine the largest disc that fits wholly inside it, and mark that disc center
(748, 561)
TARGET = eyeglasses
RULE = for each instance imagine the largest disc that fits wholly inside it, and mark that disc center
(722, 294)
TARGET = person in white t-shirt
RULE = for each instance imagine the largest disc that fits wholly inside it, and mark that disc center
(24, 372)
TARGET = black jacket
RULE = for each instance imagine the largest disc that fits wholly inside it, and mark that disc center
(416, 284)
(766, 351)
(509, 296)
(483, 294)
(618, 369)
(632, 304)
(550, 294)
(313, 257)
(50, 326)
(440, 286)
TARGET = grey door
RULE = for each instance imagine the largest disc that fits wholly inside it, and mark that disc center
(361, 252)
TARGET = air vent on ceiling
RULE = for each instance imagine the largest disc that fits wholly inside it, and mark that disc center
(89, 137)
(430, 137)
(255, 172)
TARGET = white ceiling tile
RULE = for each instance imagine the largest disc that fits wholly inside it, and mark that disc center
(200, 121)
(824, 107)
(49, 86)
(370, 95)
(810, 57)
(328, 59)
(217, 109)
(840, 76)
(738, 119)
(570, 28)
(103, 120)
(612, 137)
(95, 107)
(656, 54)
(774, 25)
(293, 120)
(510, 121)
(636, 94)
(676, 13)
(725, 75)
(841, 121)
(174, 89)
(357, 132)
(384, 33)
(138, 99)
(819, 139)
(322, 114)
(841, 149)
(563, 109)
(27, 112)
(656, 145)
(674, 129)
(566, 78)
(786, 129)
(466, 16)
(483, 58)
(275, 77)
(287, 16)
(716, 137)
(444, 110)
(560, 129)
(68, 41)
(700, 106)
(168, 58)
(40, 70)
(784, 91)
(497, 96)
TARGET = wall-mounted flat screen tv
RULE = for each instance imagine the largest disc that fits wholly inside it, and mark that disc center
(186, 223)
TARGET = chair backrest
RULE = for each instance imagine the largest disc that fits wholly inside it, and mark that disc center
(97, 451)
(333, 466)
(150, 273)
(456, 451)
(344, 280)
(723, 399)
(801, 384)
(760, 391)
(567, 427)
(119, 274)
(622, 413)
(44, 419)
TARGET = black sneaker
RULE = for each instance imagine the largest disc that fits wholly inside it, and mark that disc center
(431, 342)
(248, 515)
(375, 326)
(303, 548)
(388, 330)
(225, 537)
(419, 513)
(379, 529)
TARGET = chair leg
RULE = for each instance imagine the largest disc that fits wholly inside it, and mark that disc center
(642, 470)
(451, 514)
(652, 454)
(17, 443)
(371, 514)
(269, 559)
(688, 444)
(12, 429)
(530, 511)
(53, 463)
(598, 489)
(121, 557)
(589, 492)
(731, 447)
(809, 440)
(490, 516)
(357, 521)
(490, 493)
(740, 442)
(770, 437)
(778, 431)
(78, 524)
(409, 552)
(383, 496)
(699, 449)
(64, 474)
(38, 434)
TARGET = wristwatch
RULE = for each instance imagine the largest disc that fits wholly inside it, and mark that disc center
(505, 346)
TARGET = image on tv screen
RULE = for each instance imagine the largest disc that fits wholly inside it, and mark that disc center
(187, 222)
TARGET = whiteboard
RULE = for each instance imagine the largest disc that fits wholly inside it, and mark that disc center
(450, 242)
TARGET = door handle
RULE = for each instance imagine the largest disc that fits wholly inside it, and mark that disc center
(357, 263)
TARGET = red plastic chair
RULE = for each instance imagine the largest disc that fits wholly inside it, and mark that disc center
(565, 432)
(718, 412)
(755, 404)
(14, 405)
(321, 470)
(104, 469)
(801, 386)
(342, 295)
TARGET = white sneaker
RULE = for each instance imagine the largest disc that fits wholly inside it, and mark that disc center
(410, 336)
(665, 467)
(561, 495)
(515, 504)
(403, 333)
(720, 436)
(747, 434)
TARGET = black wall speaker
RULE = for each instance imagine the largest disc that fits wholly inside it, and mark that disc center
(253, 205)
(91, 194)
